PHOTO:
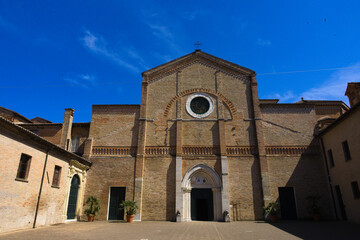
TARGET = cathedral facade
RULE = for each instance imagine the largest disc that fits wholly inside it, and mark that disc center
(200, 146)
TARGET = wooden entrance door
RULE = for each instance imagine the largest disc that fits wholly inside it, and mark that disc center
(287, 203)
(73, 196)
(117, 195)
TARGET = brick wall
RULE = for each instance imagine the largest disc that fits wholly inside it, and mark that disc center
(18, 199)
(159, 189)
(109, 172)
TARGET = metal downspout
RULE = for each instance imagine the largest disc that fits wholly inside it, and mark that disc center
(42, 181)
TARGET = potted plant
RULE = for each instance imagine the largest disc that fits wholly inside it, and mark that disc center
(314, 207)
(130, 208)
(271, 209)
(93, 208)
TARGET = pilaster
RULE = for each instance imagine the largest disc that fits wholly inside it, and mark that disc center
(140, 155)
(260, 142)
(179, 208)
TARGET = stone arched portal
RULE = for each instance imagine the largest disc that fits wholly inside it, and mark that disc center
(201, 177)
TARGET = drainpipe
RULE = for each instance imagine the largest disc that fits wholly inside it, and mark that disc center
(329, 177)
(42, 181)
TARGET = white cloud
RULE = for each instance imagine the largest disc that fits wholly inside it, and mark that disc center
(161, 31)
(98, 45)
(164, 34)
(262, 42)
(334, 88)
(84, 80)
(288, 95)
(132, 53)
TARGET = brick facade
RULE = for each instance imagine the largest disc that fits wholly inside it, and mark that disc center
(244, 149)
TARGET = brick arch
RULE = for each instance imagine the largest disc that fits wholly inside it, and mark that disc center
(196, 90)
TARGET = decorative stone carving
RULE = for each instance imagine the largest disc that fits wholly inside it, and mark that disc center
(201, 176)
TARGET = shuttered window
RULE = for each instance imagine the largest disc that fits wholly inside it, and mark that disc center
(56, 177)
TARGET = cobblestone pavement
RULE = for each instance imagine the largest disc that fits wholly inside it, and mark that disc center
(191, 230)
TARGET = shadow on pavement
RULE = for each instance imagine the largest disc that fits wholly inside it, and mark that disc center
(320, 230)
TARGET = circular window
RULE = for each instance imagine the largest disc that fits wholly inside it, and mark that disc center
(199, 105)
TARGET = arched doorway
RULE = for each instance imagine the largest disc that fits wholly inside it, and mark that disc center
(73, 197)
(201, 189)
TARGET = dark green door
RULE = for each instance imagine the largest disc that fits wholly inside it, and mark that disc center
(117, 195)
(74, 189)
(202, 204)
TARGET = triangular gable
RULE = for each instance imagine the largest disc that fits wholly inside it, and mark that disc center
(197, 56)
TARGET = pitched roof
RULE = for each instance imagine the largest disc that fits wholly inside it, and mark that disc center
(341, 119)
(40, 120)
(30, 136)
(199, 56)
(26, 120)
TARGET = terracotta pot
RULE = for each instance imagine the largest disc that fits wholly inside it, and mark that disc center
(130, 218)
(273, 218)
(90, 217)
(316, 217)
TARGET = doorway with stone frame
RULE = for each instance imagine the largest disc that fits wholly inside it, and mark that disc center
(201, 192)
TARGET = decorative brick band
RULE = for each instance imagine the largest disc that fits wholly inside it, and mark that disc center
(160, 150)
(204, 150)
(196, 90)
(291, 150)
(242, 150)
(113, 151)
(200, 150)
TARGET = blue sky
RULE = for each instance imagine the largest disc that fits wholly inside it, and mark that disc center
(72, 54)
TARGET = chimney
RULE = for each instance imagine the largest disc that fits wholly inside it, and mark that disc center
(353, 93)
(65, 141)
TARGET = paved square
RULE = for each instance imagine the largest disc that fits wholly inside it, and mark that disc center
(193, 230)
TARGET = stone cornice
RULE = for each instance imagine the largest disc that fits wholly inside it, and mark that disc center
(205, 59)
(78, 165)
(173, 69)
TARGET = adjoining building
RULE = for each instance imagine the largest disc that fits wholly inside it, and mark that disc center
(202, 146)
(341, 145)
(42, 184)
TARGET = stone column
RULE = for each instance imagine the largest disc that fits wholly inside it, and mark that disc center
(187, 205)
(65, 140)
(140, 155)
